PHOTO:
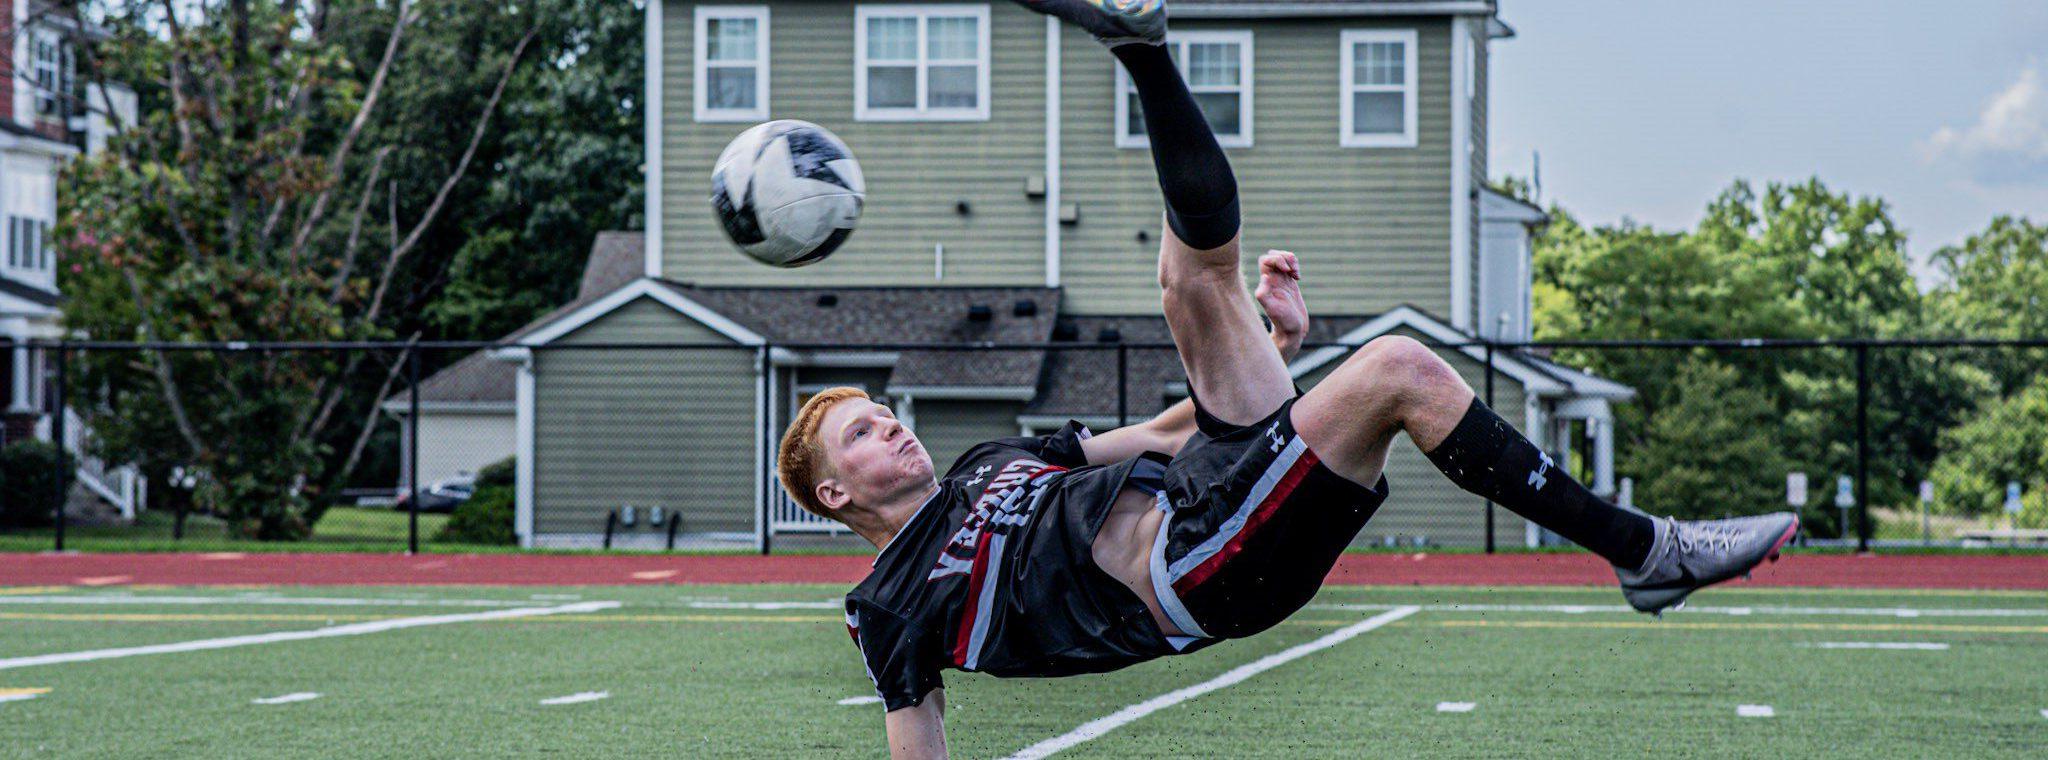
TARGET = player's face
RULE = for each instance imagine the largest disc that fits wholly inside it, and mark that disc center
(873, 455)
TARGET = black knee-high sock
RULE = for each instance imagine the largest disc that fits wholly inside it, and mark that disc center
(1486, 456)
(1194, 175)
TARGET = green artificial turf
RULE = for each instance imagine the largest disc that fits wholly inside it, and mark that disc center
(693, 672)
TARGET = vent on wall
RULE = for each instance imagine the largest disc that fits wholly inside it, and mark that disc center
(1025, 308)
(828, 300)
(980, 313)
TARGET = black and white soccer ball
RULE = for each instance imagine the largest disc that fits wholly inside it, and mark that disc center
(787, 192)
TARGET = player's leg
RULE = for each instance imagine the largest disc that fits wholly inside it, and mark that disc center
(1232, 366)
(1396, 384)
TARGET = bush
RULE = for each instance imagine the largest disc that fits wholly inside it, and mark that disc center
(486, 517)
(29, 474)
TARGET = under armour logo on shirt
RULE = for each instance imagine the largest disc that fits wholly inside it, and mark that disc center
(980, 473)
(1536, 479)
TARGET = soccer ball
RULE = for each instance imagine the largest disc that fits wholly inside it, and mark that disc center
(787, 192)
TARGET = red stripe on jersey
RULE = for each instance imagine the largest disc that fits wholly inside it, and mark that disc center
(967, 612)
(1259, 516)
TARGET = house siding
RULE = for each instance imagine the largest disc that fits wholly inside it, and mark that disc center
(1372, 224)
(463, 442)
(628, 427)
(1421, 502)
(948, 429)
(916, 171)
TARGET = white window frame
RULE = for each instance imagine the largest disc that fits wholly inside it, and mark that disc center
(923, 14)
(704, 15)
(48, 72)
(1243, 39)
(1410, 89)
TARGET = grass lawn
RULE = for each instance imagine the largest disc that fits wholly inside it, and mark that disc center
(710, 671)
(340, 529)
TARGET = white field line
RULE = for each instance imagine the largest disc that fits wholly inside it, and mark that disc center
(1568, 609)
(352, 629)
(297, 696)
(21, 695)
(1112, 721)
(1755, 711)
(581, 696)
(230, 601)
(861, 701)
(1926, 646)
(1456, 707)
(1581, 609)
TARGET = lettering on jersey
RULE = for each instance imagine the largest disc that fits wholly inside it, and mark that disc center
(1010, 499)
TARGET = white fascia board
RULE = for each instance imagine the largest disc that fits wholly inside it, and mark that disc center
(1049, 421)
(12, 306)
(643, 288)
(1310, 10)
(856, 359)
(523, 464)
(1533, 381)
(964, 392)
(1053, 30)
(1462, 205)
(397, 406)
(650, 141)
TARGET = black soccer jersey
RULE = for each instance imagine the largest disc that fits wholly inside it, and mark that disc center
(995, 574)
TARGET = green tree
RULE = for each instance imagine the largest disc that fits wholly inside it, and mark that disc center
(1712, 453)
(2005, 441)
(240, 207)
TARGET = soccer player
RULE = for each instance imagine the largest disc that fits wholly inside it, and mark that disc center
(1069, 553)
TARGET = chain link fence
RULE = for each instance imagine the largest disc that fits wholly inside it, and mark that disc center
(663, 446)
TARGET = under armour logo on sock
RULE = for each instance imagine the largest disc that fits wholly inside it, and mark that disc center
(980, 473)
(1278, 441)
(1536, 479)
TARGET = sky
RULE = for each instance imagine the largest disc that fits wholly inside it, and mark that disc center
(1646, 109)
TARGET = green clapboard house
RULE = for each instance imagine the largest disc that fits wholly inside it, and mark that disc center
(1011, 200)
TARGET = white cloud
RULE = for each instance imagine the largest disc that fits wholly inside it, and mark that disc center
(2009, 141)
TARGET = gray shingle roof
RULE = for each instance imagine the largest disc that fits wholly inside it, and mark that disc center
(616, 258)
(866, 316)
(1082, 382)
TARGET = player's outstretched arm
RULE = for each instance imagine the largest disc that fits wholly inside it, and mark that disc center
(1279, 293)
(918, 733)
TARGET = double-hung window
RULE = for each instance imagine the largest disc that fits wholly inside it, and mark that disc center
(49, 63)
(1379, 82)
(28, 244)
(921, 63)
(732, 62)
(1218, 69)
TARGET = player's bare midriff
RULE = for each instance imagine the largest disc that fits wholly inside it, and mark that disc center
(1123, 548)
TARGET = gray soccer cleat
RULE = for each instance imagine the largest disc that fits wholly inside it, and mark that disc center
(1690, 555)
(1112, 22)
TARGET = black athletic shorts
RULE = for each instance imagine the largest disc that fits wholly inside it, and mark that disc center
(1255, 522)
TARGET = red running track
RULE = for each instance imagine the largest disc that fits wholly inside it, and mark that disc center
(1882, 571)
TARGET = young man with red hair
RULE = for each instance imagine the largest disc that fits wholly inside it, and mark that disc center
(1069, 553)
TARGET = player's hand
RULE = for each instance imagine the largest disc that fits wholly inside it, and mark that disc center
(1279, 293)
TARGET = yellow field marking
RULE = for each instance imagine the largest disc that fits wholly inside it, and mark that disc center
(172, 617)
(19, 590)
(1849, 591)
(1744, 626)
(9, 695)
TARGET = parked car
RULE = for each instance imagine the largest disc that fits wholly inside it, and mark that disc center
(441, 495)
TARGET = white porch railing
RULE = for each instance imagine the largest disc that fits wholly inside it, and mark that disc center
(786, 516)
(123, 487)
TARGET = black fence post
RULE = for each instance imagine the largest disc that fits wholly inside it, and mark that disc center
(1123, 383)
(1489, 403)
(412, 450)
(768, 484)
(63, 453)
(1862, 447)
